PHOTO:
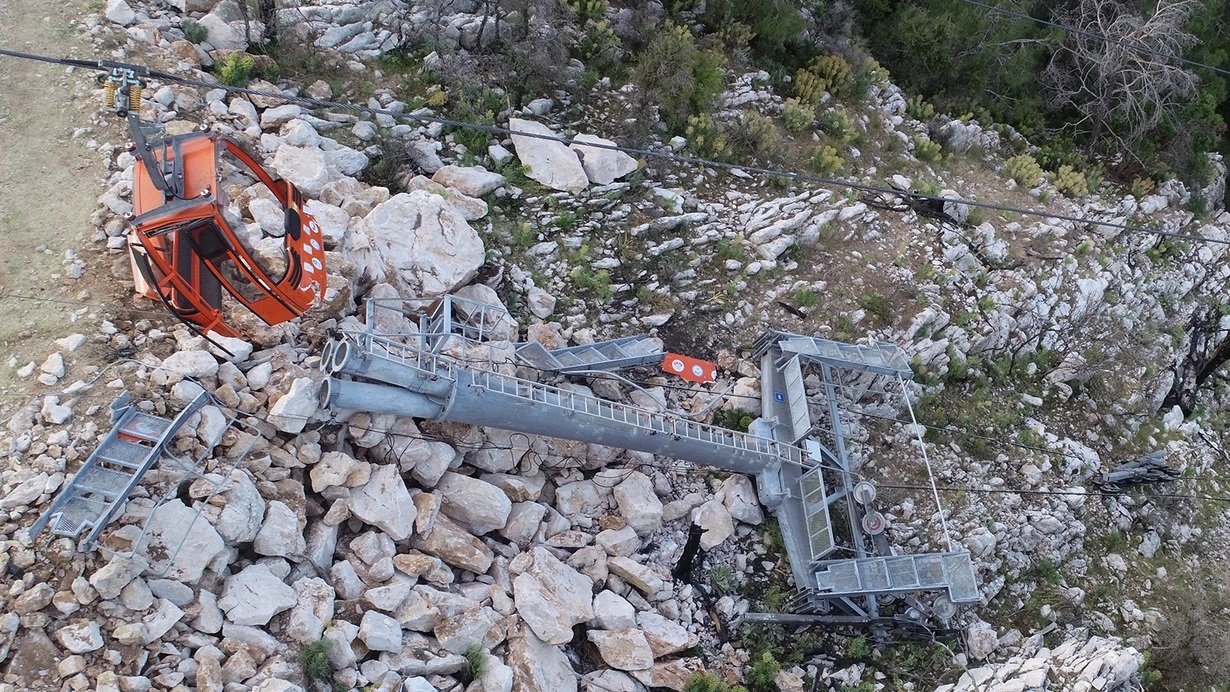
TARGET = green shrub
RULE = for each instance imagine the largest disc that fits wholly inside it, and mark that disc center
(917, 108)
(729, 249)
(737, 419)
(680, 77)
(193, 31)
(566, 220)
(736, 36)
(836, 124)
(757, 134)
(237, 69)
(762, 675)
(826, 160)
(807, 87)
(476, 662)
(722, 579)
(596, 282)
(797, 116)
(709, 682)
(1024, 170)
(835, 72)
(1061, 152)
(314, 658)
(858, 648)
(768, 27)
(475, 103)
(1093, 177)
(600, 49)
(1070, 182)
(878, 308)
(829, 73)
(926, 150)
(806, 297)
(870, 73)
(1142, 187)
(588, 9)
(707, 138)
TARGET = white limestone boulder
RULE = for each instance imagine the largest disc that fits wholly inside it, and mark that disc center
(384, 502)
(292, 411)
(639, 504)
(280, 535)
(474, 504)
(255, 595)
(551, 163)
(474, 181)
(307, 167)
(538, 665)
(623, 649)
(552, 597)
(179, 543)
(715, 519)
(602, 166)
(418, 242)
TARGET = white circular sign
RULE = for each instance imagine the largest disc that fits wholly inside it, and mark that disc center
(677, 365)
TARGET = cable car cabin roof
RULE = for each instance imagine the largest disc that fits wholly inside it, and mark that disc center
(196, 159)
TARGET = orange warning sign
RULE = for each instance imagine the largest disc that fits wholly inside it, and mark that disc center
(690, 369)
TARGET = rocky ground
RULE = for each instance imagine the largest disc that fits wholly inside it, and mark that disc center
(439, 556)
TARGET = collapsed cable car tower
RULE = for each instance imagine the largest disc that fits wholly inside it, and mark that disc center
(454, 359)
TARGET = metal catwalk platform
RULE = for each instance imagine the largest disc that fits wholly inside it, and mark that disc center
(451, 359)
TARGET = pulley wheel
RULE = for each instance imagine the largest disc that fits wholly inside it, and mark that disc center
(874, 523)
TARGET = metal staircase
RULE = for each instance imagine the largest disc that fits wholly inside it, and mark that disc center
(604, 355)
(796, 450)
(109, 475)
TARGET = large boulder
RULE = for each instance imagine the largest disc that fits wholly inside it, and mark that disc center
(665, 637)
(254, 596)
(549, 162)
(623, 649)
(418, 242)
(306, 622)
(307, 167)
(716, 521)
(639, 504)
(454, 545)
(603, 166)
(475, 504)
(740, 497)
(280, 535)
(539, 666)
(552, 597)
(243, 510)
(292, 412)
(179, 543)
(221, 34)
(385, 503)
(474, 182)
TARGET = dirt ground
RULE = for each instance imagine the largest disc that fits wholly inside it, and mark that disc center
(49, 184)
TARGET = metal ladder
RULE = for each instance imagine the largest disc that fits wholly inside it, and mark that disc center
(109, 475)
(626, 352)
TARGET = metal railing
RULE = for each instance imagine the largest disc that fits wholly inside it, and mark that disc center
(653, 423)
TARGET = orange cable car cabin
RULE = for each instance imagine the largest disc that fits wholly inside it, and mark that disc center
(189, 246)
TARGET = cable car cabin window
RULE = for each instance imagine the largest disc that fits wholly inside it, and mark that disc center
(254, 213)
